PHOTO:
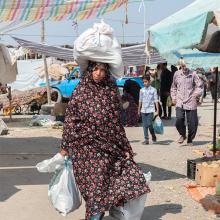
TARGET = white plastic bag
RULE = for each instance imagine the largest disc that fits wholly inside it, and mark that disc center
(63, 191)
(51, 165)
(133, 209)
(98, 44)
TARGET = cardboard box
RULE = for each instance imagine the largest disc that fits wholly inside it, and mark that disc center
(208, 173)
(59, 109)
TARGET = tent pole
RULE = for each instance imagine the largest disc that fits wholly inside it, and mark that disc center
(10, 102)
(215, 112)
(45, 64)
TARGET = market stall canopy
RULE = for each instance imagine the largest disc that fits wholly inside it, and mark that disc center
(185, 29)
(132, 56)
(191, 33)
(31, 10)
(8, 66)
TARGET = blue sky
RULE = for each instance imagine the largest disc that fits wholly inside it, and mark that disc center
(58, 33)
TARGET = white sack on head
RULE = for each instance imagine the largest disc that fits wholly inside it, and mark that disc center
(98, 44)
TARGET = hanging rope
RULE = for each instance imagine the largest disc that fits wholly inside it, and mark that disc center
(142, 4)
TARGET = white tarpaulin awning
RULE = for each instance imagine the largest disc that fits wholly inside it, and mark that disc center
(132, 56)
(8, 66)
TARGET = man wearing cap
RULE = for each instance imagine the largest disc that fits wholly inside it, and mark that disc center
(185, 92)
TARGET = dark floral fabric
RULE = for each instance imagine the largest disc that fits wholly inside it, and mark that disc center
(97, 140)
(130, 114)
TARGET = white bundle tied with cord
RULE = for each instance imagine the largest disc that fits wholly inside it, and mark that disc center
(98, 44)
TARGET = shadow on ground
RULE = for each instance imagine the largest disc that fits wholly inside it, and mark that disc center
(198, 143)
(134, 141)
(156, 212)
(164, 142)
(160, 174)
(18, 157)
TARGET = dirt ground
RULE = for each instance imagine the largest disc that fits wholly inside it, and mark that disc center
(23, 191)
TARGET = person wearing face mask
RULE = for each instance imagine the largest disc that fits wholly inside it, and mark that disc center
(94, 136)
(147, 100)
(185, 93)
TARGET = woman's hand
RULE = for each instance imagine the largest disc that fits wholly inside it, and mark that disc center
(64, 152)
(129, 156)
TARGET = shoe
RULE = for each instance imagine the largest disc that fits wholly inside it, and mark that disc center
(97, 217)
(181, 140)
(154, 139)
(190, 144)
(146, 142)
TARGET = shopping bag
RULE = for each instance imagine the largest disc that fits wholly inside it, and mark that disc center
(158, 126)
(169, 101)
(63, 192)
(51, 165)
(133, 209)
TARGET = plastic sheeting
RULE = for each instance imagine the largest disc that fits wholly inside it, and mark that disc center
(28, 76)
(194, 58)
(132, 56)
(8, 66)
(184, 29)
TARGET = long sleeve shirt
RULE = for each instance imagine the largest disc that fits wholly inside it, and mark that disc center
(186, 88)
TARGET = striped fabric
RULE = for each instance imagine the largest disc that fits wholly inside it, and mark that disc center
(132, 56)
(135, 55)
(186, 88)
(57, 10)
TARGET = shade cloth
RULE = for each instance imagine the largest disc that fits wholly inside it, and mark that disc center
(132, 56)
(31, 10)
(8, 66)
(186, 28)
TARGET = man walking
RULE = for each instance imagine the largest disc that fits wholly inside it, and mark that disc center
(185, 92)
(166, 79)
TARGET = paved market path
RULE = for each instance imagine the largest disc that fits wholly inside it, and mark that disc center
(23, 191)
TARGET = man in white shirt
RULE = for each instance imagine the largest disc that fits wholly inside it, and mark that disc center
(148, 99)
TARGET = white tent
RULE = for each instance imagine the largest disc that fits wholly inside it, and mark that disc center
(8, 66)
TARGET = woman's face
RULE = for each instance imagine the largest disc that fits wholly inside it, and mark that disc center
(99, 73)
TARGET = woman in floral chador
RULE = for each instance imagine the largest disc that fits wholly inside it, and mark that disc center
(103, 163)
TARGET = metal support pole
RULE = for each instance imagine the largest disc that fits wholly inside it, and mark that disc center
(215, 112)
(10, 102)
(45, 64)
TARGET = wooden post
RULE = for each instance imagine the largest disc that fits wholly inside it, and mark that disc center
(123, 33)
(45, 64)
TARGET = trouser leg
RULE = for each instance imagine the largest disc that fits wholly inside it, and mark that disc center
(192, 122)
(145, 125)
(180, 121)
(164, 104)
(169, 111)
(150, 125)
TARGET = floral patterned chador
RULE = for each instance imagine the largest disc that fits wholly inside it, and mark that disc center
(97, 140)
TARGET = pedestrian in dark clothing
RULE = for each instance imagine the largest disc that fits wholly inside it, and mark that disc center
(212, 84)
(105, 171)
(166, 79)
